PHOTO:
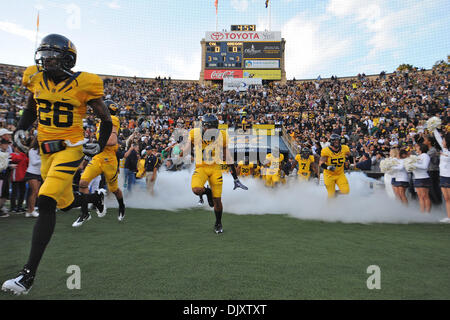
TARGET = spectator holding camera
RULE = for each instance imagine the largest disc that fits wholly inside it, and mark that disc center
(130, 167)
(364, 162)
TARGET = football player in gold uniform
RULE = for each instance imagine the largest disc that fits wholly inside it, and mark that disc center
(332, 160)
(306, 165)
(245, 168)
(210, 147)
(273, 168)
(105, 163)
(58, 100)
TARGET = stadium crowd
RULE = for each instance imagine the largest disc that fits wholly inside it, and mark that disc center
(373, 114)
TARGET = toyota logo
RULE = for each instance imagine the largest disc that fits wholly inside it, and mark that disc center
(217, 36)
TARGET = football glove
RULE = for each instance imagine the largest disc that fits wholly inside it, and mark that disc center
(87, 158)
(238, 184)
(19, 139)
(91, 149)
(331, 168)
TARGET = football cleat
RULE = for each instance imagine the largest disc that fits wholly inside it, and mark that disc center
(239, 184)
(21, 284)
(209, 196)
(218, 228)
(100, 206)
(201, 201)
(79, 222)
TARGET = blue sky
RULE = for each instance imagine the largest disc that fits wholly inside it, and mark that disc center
(153, 37)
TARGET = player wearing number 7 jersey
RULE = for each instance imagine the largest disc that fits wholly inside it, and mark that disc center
(58, 101)
(332, 160)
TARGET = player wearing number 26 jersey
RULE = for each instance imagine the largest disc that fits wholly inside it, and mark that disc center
(332, 161)
(58, 101)
(61, 108)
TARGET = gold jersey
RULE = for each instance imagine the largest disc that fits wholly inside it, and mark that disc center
(274, 164)
(336, 159)
(62, 107)
(245, 169)
(205, 151)
(304, 165)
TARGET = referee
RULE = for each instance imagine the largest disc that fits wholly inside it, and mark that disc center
(151, 168)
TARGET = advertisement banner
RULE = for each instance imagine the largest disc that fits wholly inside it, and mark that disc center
(221, 74)
(262, 64)
(240, 84)
(263, 74)
(243, 36)
(263, 50)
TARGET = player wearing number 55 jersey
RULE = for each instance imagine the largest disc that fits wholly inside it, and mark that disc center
(332, 160)
(58, 101)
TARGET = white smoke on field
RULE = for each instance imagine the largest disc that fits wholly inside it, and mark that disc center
(364, 204)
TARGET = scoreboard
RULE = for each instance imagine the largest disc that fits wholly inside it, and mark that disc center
(224, 55)
(243, 52)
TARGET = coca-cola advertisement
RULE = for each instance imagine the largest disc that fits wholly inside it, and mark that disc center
(220, 74)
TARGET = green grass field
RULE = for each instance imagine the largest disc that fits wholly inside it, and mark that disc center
(176, 255)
